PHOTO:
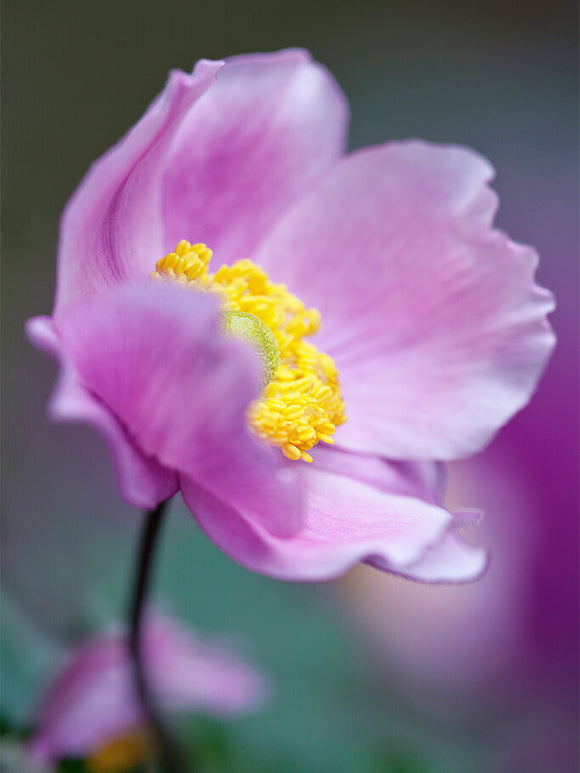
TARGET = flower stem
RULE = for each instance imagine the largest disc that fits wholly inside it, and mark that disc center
(171, 757)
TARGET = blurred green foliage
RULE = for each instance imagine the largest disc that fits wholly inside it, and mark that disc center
(323, 716)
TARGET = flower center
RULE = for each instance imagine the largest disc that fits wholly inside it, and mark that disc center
(121, 753)
(301, 403)
(247, 327)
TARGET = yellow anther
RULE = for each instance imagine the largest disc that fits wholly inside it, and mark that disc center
(301, 404)
(182, 247)
(277, 405)
(188, 263)
(292, 412)
(270, 389)
(291, 452)
(120, 754)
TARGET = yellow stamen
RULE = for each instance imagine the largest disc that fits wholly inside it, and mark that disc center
(121, 754)
(301, 405)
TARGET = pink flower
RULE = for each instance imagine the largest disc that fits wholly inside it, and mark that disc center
(90, 708)
(432, 333)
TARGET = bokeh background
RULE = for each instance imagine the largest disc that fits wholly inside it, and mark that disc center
(373, 673)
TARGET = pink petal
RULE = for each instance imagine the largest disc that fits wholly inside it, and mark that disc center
(260, 135)
(214, 161)
(347, 520)
(152, 358)
(142, 481)
(188, 672)
(450, 559)
(423, 479)
(92, 699)
(433, 318)
(90, 702)
(111, 229)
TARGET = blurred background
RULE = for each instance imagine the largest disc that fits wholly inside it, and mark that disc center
(372, 673)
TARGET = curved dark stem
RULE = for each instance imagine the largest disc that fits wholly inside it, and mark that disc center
(171, 757)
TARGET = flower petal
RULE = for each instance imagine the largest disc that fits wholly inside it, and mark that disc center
(111, 229)
(189, 672)
(450, 559)
(259, 136)
(142, 481)
(423, 479)
(433, 318)
(152, 356)
(221, 168)
(92, 702)
(347, 520)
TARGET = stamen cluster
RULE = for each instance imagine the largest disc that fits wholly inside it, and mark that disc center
(302, 405)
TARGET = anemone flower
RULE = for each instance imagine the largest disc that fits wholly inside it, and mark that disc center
(90, 709)
(298, 457)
